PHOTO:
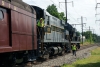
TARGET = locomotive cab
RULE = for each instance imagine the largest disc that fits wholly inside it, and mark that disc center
(41, 13)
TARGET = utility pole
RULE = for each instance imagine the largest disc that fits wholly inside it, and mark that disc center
(96, 10)
(82, 26)
(93, 34)
(66, 9)
(95, 16)
(90, 35)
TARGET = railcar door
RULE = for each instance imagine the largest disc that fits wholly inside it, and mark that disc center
(4, 28)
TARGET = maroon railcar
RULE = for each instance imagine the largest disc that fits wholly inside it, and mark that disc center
(17, 26)
(18, 33)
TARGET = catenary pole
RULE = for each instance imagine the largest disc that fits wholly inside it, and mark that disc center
(66, 9)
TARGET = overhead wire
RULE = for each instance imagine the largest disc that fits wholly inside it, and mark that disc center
(78, 15)
(76, 12)
(67, 12)
(70, 15)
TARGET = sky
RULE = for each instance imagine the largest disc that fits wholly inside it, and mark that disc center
(84, 8)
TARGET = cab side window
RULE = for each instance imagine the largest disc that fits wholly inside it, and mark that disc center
(48, 22)
(52, 28)
(57, 29)
(1, 15)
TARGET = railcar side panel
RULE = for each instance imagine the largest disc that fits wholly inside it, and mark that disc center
(29, 32)
(29, 25)
(29, 45)
(4, 31)
(22, 42)
(4, 28)
(35, 34)
(15, 21)
(15, 36)
(22, 30)
(15, 42)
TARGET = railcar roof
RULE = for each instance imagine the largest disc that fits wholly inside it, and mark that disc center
(20, 4)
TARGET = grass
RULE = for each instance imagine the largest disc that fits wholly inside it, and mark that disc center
(87, 42)
(92, 61)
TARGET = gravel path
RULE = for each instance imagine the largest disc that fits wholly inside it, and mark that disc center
(69, 58)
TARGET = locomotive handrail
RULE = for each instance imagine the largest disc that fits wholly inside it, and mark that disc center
(41, 37)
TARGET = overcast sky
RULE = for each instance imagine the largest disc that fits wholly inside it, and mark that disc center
(85, 8)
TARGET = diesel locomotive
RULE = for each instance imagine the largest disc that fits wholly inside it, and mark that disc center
(19, 41)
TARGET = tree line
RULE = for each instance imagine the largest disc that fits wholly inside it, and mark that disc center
(91, 37)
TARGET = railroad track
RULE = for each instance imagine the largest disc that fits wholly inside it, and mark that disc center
(30, 64)
(85, 46)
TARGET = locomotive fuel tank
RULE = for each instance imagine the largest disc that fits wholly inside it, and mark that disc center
(59, 50)
(56, 50)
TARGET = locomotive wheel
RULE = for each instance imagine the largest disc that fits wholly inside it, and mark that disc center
(45, 54)
(19, 58)
(63, 52)
(46, 57)
(19, 61)
(6, 61)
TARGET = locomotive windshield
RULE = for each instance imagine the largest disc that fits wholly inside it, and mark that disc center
(1, 15)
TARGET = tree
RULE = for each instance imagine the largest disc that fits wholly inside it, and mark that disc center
(87, 34)
(78, 33)
(61, 16)
(53, 10)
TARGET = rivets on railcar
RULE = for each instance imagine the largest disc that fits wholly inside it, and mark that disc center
(9, 5)
(3, 3)
(14, 7)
